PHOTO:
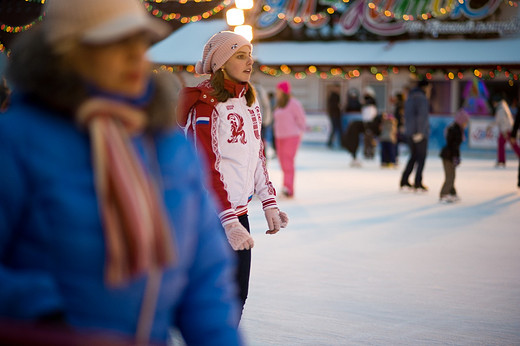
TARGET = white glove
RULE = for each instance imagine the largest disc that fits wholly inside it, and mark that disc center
(417, 137)
(284, 218)
(238, 237)
(274, 222)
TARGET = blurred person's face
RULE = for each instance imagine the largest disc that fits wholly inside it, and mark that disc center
(119, 67)
(238, 68)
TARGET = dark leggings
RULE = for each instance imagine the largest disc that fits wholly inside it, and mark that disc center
(244, 266)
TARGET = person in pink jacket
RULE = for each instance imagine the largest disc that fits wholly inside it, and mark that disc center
(289, 126)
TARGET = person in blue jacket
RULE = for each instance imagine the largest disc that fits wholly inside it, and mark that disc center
(106, 231)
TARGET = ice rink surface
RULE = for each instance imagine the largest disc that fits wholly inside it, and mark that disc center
(363, 263)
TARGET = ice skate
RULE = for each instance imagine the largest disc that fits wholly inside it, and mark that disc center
(405, 186)
(355, 163)
(446, 200)
(420, 188)
(454, 198)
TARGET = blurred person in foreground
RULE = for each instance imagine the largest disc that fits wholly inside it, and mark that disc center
(107, 235)
(450, 155)
(5, 96)
(417, 130)
(223, 117)
(289, 127)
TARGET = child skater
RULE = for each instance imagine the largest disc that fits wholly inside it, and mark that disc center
(388, 140)
(450, 155)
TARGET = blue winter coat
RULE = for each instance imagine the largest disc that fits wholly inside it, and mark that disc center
(52, 247)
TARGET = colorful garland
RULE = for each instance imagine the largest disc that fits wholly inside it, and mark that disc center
(379, 73)
(19, 28)
(177, 16)
(422, 13)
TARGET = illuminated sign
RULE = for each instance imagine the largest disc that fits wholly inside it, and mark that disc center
(337, 18)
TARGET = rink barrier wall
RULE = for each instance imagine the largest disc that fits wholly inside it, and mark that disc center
(477, 135)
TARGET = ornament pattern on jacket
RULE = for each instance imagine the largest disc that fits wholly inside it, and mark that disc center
(237, 129)
(255, 117)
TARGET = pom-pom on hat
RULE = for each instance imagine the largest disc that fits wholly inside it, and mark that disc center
(219, 48)
(284, 86)
(98, 21)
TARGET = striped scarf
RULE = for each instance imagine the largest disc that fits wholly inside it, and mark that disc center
(137, 232)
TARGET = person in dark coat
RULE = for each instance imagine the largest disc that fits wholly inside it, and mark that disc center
(350, 140)
(417, 130)
(450, 155)
(334, 113)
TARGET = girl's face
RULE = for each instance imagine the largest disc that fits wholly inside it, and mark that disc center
(119, 67)
(239, 67)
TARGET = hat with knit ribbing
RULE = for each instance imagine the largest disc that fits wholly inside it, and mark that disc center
(284, 86)
(98, 21)
(219, 48)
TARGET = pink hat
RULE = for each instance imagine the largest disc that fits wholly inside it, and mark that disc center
(284, 86)
(219, 48)
(461, 117)
(99, 21)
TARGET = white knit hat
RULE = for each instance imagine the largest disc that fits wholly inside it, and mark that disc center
(98, 21)
(219, 48)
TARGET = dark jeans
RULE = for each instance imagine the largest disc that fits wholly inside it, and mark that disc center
(336, 130)
(388, 150)
(417, 159)
(244, 266)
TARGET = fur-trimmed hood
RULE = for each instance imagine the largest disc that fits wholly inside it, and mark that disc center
(34, 70)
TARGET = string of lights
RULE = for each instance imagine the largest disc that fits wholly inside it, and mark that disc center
(379, 73)
(414, 13)
(419, 11)
(184, 19)
(19, 28)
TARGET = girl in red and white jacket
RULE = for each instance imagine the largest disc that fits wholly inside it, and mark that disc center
(223, 116)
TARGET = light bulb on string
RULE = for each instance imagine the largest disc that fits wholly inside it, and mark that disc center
(244, 4)
(245, 30)
(235, 16)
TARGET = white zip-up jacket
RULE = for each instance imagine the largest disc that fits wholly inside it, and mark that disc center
(227, 134)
